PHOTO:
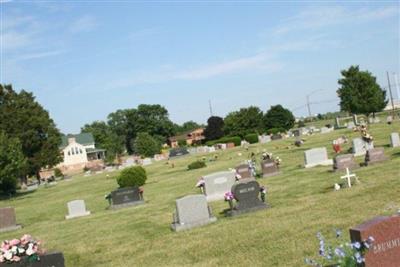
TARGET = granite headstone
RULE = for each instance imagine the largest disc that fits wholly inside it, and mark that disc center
(191, 211)
(217, 184)
(341, 162)
(375, 155)
(317, 156)
(124, 197)
(246, 193)
(385, 250)
(8, 220)
(269, 168)
(76, 209)
(394, 140)
(244, 171)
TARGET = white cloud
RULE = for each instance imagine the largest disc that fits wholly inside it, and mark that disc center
(320, 17)
(85, 23)
(39, 55)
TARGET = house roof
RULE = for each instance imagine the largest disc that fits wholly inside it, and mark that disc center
(93, 150)
(83, 139)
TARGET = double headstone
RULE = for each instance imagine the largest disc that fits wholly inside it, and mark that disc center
(394, 140)
(7, 220)
(350, 125)
(217, 184)
(246, 193)
(375, 155)
(385, 250)
(342, 162)
(244, 171)
(124, 197)
(360, 147)
(269, 168)
(317, 156)
(76, 209)
(191, 211)
(263, 139)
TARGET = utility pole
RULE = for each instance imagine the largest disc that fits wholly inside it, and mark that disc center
(390, 90)
(211, 111)
(308, 106)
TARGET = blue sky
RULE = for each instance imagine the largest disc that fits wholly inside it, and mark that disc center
(85, 59)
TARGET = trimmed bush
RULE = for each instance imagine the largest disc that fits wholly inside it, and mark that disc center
(58, 172)
(132, 176)
(251, 138)
(196, 165)
(224, 140)
(275, 130)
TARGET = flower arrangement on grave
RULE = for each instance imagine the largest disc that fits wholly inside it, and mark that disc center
(252, 167)
(344, 255)
(200, 184)
(229, 197)
(17, 249)
(263, 193)
(278, 161)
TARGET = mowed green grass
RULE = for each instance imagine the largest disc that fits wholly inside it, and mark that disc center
(302, 203)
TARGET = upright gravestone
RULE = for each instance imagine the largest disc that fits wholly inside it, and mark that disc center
(263, 139)
(244, 171)
(375, 155)
(317, 156)
(176, 152)
(217, 184)
(276, 137)
(7, 220)
(360, 147)
(125, 197)
(191, 211)
(246, 193)
(269, 168)
(342, 162)
(325, 130)
(385, 250)
(146, 161)
(76, 209)
(394, 140)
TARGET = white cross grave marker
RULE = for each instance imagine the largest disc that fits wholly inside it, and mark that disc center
(348, 177)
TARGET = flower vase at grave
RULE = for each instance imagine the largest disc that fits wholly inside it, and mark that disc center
(230, 204)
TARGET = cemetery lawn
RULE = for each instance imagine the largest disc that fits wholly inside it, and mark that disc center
(302, 203)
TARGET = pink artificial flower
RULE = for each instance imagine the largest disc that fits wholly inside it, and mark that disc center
(2, 258)
(15, 242)
(16, 258)
(25, 239)
(5, 245)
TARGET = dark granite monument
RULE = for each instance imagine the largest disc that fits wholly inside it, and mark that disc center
(246, 193)
(124, 197)
(385, 250)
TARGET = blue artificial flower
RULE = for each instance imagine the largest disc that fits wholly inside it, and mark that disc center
(356, 245)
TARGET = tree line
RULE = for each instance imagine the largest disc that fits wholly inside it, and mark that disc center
(29, 138)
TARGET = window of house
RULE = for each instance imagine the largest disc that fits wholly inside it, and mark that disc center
(76, 150)
(69, 153)
(72, 151)
(80, 150)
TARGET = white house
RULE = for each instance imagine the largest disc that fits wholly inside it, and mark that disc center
(79, 151)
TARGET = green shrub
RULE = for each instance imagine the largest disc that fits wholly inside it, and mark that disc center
(58, 172)
(182, 143)
(132, 176)
(196, 165)
(145, 145)
(275, 130)
(251, 138)
(302, 124)
(224, 140)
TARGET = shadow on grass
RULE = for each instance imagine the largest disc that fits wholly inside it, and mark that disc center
(16, 195)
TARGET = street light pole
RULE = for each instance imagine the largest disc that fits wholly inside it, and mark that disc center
(391, 96)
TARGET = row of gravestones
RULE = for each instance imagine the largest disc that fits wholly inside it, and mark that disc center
(319, 156)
